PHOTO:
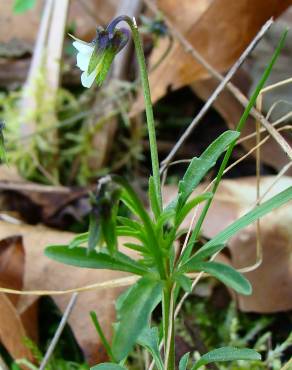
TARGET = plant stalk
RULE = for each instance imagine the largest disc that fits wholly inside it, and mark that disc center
(148, 108)
(168, 326)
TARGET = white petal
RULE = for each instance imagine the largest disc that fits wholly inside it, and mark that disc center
(83, 47)
(86, 80)
(83, 61)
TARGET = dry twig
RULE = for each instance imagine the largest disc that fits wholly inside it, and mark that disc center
(59, 331)
(215, 94)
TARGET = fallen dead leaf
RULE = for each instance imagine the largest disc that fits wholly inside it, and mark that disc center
(271, 281)
(85, 15)
(11, 264)
(218, 29)
(12, 332)
(51, 205)
(41, 273)
(12, 329)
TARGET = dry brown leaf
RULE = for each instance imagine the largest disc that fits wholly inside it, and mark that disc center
(11, 265)
(12, 329)
(51, 205)
(219, 30)
(85, 14)
(41, 273)
(272, 280)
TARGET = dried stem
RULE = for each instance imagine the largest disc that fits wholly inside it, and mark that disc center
(59, 331)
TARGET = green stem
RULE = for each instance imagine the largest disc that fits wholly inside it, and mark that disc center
(168, 326)
(148, 108)
(102, 336)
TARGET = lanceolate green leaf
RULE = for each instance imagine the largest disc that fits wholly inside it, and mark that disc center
(150, 340)
(227, 354)
(108, 366)
(131, 199)
(202, 253)
(181, 215)
(132, 224)
(199, 167)
(183, 362)
(134, 314)
(222, 272)
(184, 282)
(79, 240)
(258, 212)
(82, 258)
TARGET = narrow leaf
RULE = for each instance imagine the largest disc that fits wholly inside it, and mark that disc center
(199, 167)
(202, 253)
(108, 366)
(183, 362)
(150, 340)
(134, 314)
(190, 205)
(79, 240)
(101, 335)
(227, 354)
(132, 224)
(227, 274)
(80, 257)
(258, 212)
(184, 282)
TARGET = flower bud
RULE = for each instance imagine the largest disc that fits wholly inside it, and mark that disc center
(95, 58)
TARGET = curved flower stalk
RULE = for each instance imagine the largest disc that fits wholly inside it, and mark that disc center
(95, 58)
